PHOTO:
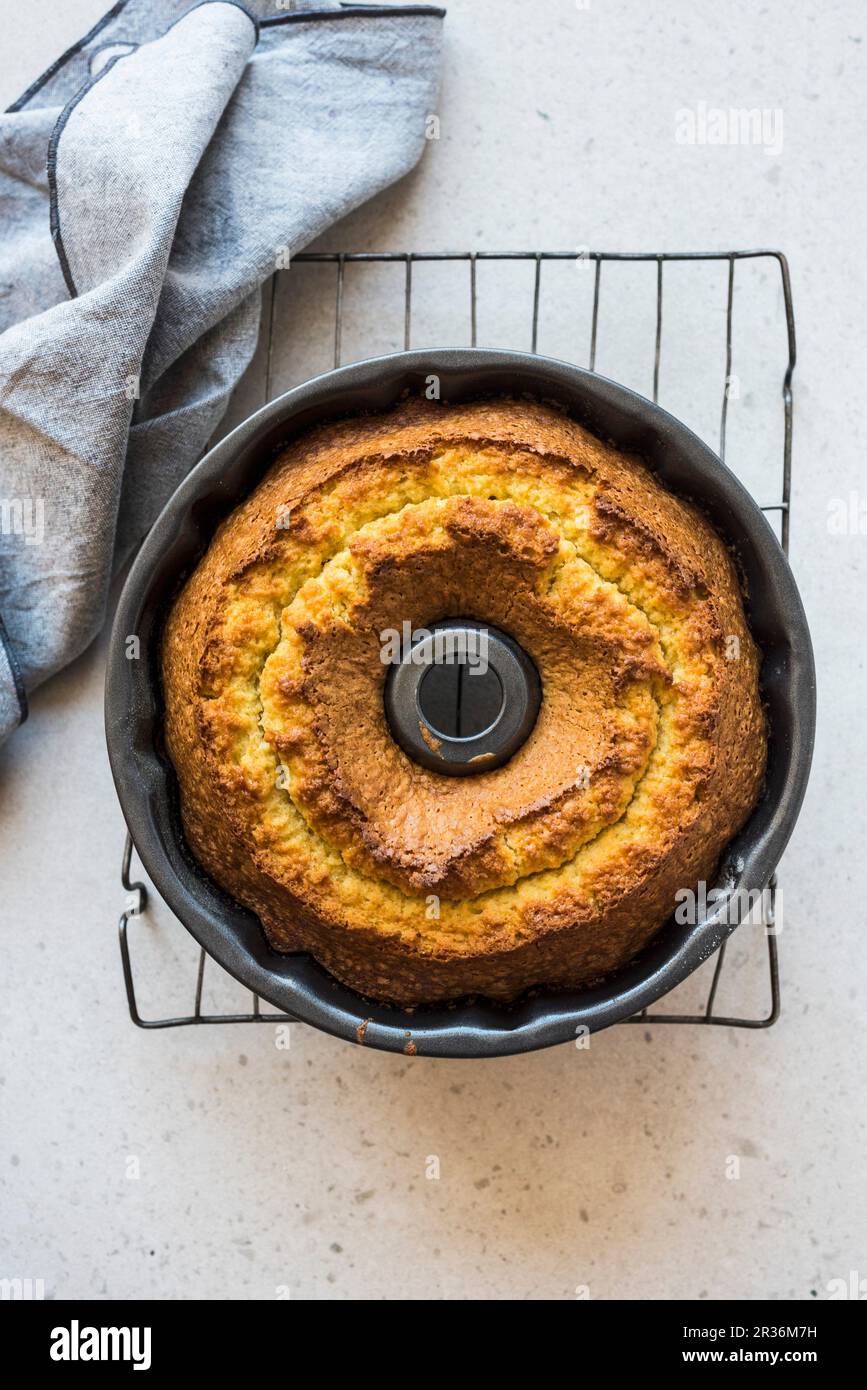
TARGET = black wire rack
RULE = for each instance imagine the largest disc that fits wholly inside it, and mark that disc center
(137, 893)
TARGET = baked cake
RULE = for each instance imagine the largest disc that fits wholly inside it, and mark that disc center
(408, 885)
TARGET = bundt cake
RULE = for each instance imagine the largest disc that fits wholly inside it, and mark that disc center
(407, 884)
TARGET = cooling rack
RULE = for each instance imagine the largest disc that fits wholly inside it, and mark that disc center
(585, 341)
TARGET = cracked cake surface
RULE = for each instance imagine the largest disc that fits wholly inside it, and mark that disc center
(408, 885)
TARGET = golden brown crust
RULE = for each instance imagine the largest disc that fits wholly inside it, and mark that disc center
(410, 886)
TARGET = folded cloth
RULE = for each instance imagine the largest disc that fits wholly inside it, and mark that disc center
(150, 181)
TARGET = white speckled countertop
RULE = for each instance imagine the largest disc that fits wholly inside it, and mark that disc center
(260, 1169)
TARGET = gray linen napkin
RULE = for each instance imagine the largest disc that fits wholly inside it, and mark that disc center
(150, 182)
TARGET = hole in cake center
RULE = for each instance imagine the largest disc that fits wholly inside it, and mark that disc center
(460, 701)
(462, 697)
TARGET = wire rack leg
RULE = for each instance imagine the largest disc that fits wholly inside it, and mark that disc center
(136, 908)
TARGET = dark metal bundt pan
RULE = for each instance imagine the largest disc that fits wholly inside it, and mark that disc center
(146, 782)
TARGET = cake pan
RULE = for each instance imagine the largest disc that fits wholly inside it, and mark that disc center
(145, 779)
